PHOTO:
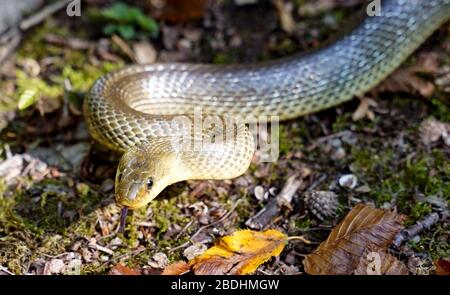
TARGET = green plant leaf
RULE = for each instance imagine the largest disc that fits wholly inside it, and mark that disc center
(132, 14)
(130, 22)
(109, 29)
(148, 24)
(117, 12)
(126, 31)
(27, 98)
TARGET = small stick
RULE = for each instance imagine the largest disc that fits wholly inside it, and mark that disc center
(299, 238)
(412, 231)
(225, 216)
(124, 47)
(9, 41)
(274, 206)
(42, 14)
(5, 270)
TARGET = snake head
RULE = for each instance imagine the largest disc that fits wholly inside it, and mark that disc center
(141, 176)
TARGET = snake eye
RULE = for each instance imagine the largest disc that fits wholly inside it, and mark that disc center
(149, 183)
(119, 176)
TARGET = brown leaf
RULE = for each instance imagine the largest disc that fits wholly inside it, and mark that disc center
(241, 253)
(122, 270)
(405, 80)
(342, 251)
(179, 11)
(376, 261)
(176, 268)
(431, 130)
(363, 109)
(442, 267)
(428, 62)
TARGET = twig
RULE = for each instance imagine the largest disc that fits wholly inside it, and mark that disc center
(225, 216)
(124, 47)
(5, 270)
(133, 253)
(274, 206)
(184, 229)
(55, 256)
(14, 36)
(322, 228)
(144, 223)
(412, 231)
(299, 238)
(102, 249)
(8, 43)
(73, 43)
(317, 182)
(42, 14)
(327, 138)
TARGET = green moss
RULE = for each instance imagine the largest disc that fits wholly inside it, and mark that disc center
(31, 89)
(67, 64)
(303, 224)
(435, 243)
(50, 206)
(83, 77)
(166, 213)
(14, 254)
(223, 58)
(290, 139)
(420, 210)
(34, 45)
(342, 122)
(390, 179)
(440, 110)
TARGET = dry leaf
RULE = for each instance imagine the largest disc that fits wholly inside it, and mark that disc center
(431, 130)
(144, 52)
(428, 62)
(405, 80)
(442, 267)
(342, 251)
(122, 270)
(241, 253)
(178, 10)
(177, 268)
(376, 261)
(363, 109)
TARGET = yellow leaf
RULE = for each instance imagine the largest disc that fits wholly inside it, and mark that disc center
(241, 253)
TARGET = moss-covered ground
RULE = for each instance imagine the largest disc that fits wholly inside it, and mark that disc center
(73, 210)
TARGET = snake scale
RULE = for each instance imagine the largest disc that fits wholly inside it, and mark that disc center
(136, 109)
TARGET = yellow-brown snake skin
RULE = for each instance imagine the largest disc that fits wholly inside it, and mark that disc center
(135, 110)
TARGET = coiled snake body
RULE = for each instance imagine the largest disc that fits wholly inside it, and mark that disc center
(136, 110)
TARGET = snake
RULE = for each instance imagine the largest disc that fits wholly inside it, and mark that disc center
(148, 112)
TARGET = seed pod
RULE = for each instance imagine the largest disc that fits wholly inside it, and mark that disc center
(321, 204)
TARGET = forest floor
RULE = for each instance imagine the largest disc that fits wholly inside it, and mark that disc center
(57, 185)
